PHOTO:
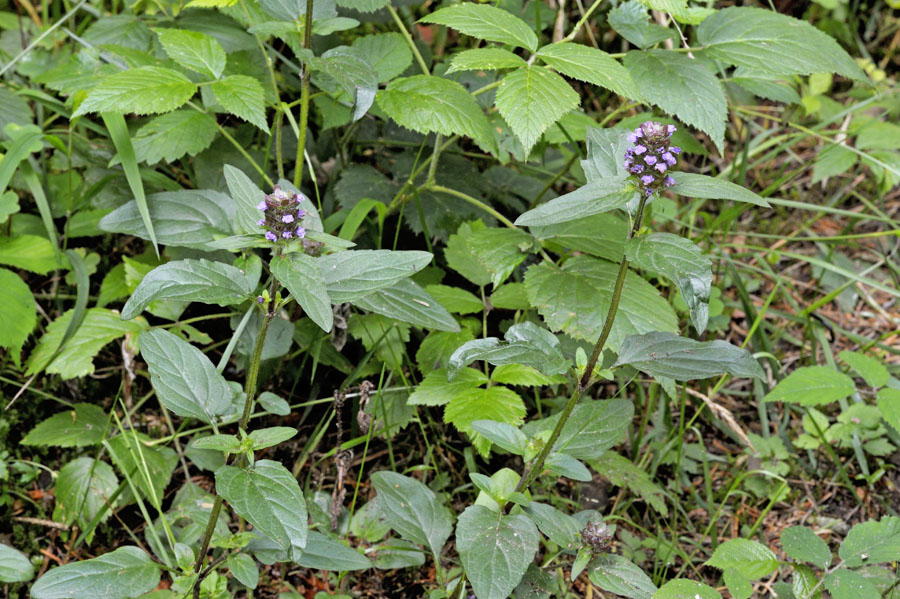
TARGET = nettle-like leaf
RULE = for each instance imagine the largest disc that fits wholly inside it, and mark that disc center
(193, 50)
(436, 390)
(303, 278)
(485, 59)
(242, 96)
(630, 19)
(889, 406)
(871, 542)
(801, 543)
(870, 369)
(525, 343)
(149, 467)
(351, 72)
(413, 510)
(752, 559)
(847, 584)
(683, 359)
(84, 425)
(496, 403)
(145, 90)
(84, 487)
(593, 427)
(125, 572)
(19, 314)
(812, 386)
(171, 136)
(486, 22)
(30, 252)
(591, 65)
(387, 53)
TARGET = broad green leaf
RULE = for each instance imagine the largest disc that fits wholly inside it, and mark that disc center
(429, 104)
(530, 99)
(520, 374)
(385, 336)
(270, 436)
(99, 327)
(487, 23)
(802, 544)
(592, 199)
(125, 572)
(752, 559)
(302, 276)
(630, 19)
(354, 274)
(576, 297)
(683, 359)
(535, 584)
(323, 553)
(485, 59)
(621, 472)
(413, 510)
(150, 467)
(267, 495)
(30, 252)
(702, 186)
(561, 528)
(9, 205)
(435, 390)
(387, 53)
(682, 87)
(495, 550)
(833, 160)
(777, 88)
(184, 378)
(436, 349)
(273, 404)
(189, 281)
(494, 403)
(181, 218)
(219, 442)
(869, 368)
(812, 386)
(525, 343)
(591, 65)
(14, 565)
(406, 301)
(397, 553)
(681, 588)
(739, 586)
(171, 136)
(605, 154)
(145, 90)
(84, 487)
(352, 73)
(246, 196)
(593, 427)
(871, 542)
(502, 435)
(462, 258)
(500, 251)
(600, 235)
(19, 313)
(455, 300)
(511, 296)
(616, 574)
(75, 428)
(244, 569)
(680, 261)
(195, 51)
(242, 96)
(293, 10)
(889, 405)
(774, 43)
(847, 584)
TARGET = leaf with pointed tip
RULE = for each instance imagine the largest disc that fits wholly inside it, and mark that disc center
(303, 278)
(485, 59)
(812, 386)
(751, 558)
(125, 572)
(324, 553)
(525, 343)
(172, 135)
(352, 73)
(702, 186)
(682, 588)
(413, 510)
(242, 96)
(81, 426)
(591, 65)
(406, 301)
(684, 359)
(14, 565)
(354, 274)
(871, 542)
(801, 543)
(594, 198)
(19, 313)
(616, 574)
(144, 90)
(194, 50)
(486, 22)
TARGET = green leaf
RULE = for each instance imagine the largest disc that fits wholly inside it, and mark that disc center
(592, 199)
(322, 553)
(616, 574)
(502, 435)
(84, 487)
(774, 43)
(455, 300)
(244, 569)
(565, 465)
(771, 87)
(605, 154)
(500, 251)
(802, 544)
(26, 141)
(576, 297)
(462, 258)
(267, 495)
(246, 196)
(591, 65)
(242, 96)
(19, 313)
(511, 296)
(125, 572)
(871, 542)
(621, 472)
(385, 336)
(75, 428)
(738, 584)
(526, 343)
(530, 99)
(189, 281)
(869, 368)
(29, 252)
(520, 374)
(593, 427)
(14, 565)
(429, 104)
(683, 359)
(354, 274)
(413, 510)
(681, 588)
(219, 442)
(487, 23)
(273, 404)
(407, 302)
(171, 136)
(495, 550)
(630, 19)
(193, 50)
(387, 53)
(752, 559)
(270, 436)
(833, 160)
(812, 386)
(680, 261)
(485, 59)
(435, 390)
(889, 405)
(149, 467)
(682, 87)
(847, 584)
(9, 205)
(494, 403)
(302, 276)
(561, 528)
(701, 186)
(145, 90)
(185, 380)
(352, 73)
(99, 327)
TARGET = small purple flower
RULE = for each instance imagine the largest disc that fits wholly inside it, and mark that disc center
(670, 129)
(651, 160)
(675, 150)
(660, 167)
(647, 179)
(287, 235)
(670, 181)
(639, 149)
(301, 213)
(262, 205)
(287, 218)
(301, 232)
(259, 299)
(670, 160)
(271, 236)
(637, 168)
(261, 222)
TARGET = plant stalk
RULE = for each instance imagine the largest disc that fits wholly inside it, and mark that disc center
(304, 98)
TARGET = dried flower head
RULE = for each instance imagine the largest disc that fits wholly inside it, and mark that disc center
(282, 215)
(650, 156)
(597, 537)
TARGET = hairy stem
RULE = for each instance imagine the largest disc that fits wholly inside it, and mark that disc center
(304, 98)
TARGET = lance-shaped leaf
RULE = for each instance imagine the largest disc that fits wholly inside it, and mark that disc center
(303, 278)
(593, 427)
(597, 197)
(485, 59)
(413, 510)
(268, 496)
(125, 572)
(323, 553)
(526, 343)
(246, 196)
(682, 262)
(353, 274)
(812, 386)
(701, 186)
(192, 281)
(683, 359)
(406, 301)
(184, 378)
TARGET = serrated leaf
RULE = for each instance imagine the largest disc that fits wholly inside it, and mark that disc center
(683, 359)
(494, 403)
(14, 565)
(530, 99)
(455, 300)
(616, 574)
(74, 428)
(495, 550)
(406, 301)
(184, 378)
(801, 543)
(591, 65)
(752, 559)
(525, 343)
(630, 19)
(170, 136)
(429, 104)
(125, 572)
(19, 314)
(871, 542)
(303, 278)
(847, 584)
(267, 495)
(681, 588)
(354, 274)
(738, 584)
(592, 199)
(242, 96)
(682, 87)
(701, 186)
(771, 87)
(833, 160)
(145, 90)
(812, 386)
(352, 73)
(193, 50)
(889, 406)
(84, 487)
(771, 42)
(486, 22)
(246, 196)
(485, 59)
(30, 252)
(387, 53)
(148, 466)
(520, 374)
(435, 390)
(413, 510)
(869, 368)
(323, 553)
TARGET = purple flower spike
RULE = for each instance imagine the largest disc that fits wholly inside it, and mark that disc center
(287, 235)
(261, 206)
(670, 181)
(260, 222)
(639, 149)
(647, 179)
(651, 160)
(670, 160)
(287, 218)
(271, 236)
(651, 141)
(301, 232)
(660, 167)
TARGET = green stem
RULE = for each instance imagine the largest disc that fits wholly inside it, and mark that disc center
(304, 98)
(583, 20)
(473, 201)
(409, 40)
(429, 180)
